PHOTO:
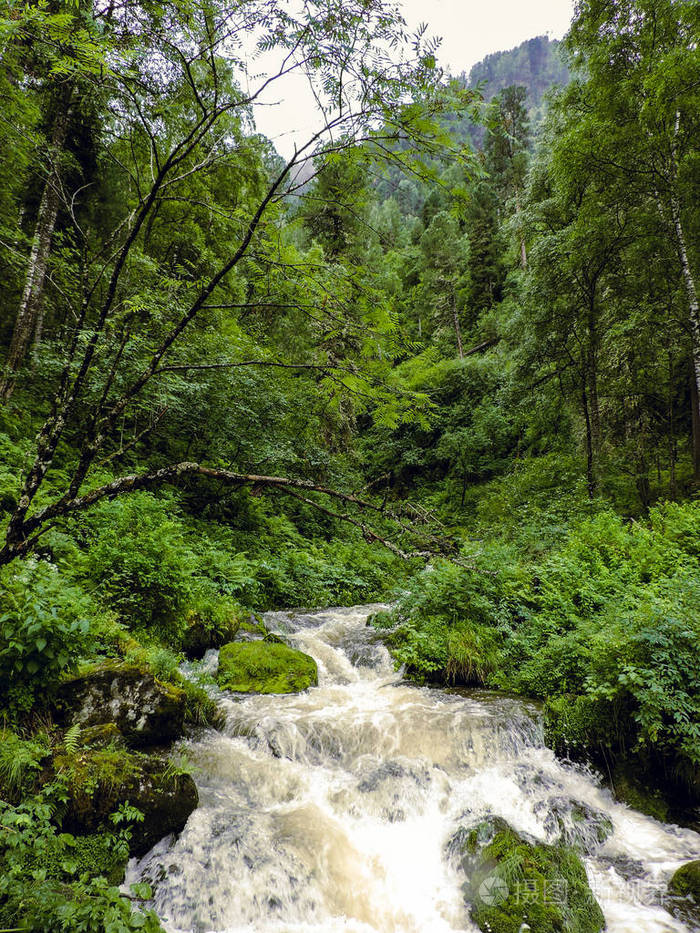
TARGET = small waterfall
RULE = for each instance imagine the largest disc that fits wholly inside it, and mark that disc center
(331, 810)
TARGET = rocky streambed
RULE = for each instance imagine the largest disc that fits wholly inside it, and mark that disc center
(368, 804)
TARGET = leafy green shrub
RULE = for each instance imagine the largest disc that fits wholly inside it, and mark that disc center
(20, 763)
(138, 556)
(645, 662)
(605, 626)
(53, 881)
(44, 630)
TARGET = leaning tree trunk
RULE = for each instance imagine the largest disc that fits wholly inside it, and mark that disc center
(29, 313)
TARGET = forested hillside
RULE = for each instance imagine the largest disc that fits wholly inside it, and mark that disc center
(539, 64)
(395, 366)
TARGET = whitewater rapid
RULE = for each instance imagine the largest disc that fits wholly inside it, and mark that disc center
(331, 810)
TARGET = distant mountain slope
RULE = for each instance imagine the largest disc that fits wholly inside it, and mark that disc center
(537, 64)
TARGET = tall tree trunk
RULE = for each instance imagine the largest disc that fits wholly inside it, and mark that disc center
(695, 410)
(691, 292)
(693, 311)
(592, 377)
(672, 451)
(590, 457)
(523, 248)
(594, 405)
(29, 314)
(458, 330)
(523, 253)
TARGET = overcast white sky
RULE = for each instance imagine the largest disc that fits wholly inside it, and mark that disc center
(469, 29)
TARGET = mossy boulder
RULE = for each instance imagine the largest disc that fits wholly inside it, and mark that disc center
(144, 710)
(98, 779)
(265, 667)
(686, 881)
(202, 634)
(516, 883)
(684, 894)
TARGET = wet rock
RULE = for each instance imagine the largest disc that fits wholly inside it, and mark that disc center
(575, 823)
(684, 894)
(625, 866)
(394, 771)
(201, 635)
(528, 779)
(686, 881)
(265, 667)
(516, 883)
(144, 710)
(100, 779)
(683, 898)
(395, 788)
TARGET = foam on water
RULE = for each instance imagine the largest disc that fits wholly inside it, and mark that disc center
(331, 810)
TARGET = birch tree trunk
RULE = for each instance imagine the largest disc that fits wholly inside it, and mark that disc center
(29, 313)
(690, 288)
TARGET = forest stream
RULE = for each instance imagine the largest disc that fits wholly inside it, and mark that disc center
(332, 809)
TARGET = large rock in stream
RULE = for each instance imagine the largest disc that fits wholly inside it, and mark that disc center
(144, 710)
(265, 667)
(517, 884)
(203, 634)
(684, 893)
(103, 774)
(121, 713)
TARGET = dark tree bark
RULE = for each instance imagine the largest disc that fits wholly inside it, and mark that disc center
(458, 330)
(590, 456)
(29, 315)
(695, 411)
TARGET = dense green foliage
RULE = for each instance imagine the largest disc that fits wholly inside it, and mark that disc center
(448, 351)
(604, 624)
(53, 880)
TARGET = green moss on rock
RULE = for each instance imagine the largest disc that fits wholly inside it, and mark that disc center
(516, 883)
(265, 667)
(145, 711)
(203, 633)
(686, 881)
(99, 779)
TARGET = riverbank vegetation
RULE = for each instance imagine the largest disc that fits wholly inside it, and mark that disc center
(447, 353)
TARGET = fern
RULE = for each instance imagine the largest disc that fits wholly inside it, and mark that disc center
(71, 739)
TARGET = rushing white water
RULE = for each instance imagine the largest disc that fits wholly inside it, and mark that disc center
(331, 810)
